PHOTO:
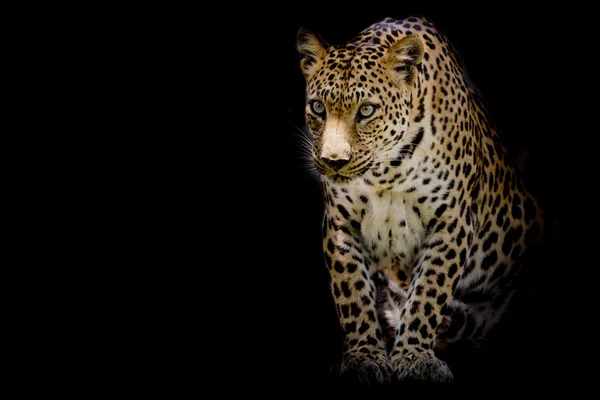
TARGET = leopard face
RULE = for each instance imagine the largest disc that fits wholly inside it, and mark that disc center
(358, 102)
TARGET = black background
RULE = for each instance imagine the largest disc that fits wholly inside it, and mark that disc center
(199, 245)
(234, 219)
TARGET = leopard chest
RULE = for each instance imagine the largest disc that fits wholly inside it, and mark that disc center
(392, 231)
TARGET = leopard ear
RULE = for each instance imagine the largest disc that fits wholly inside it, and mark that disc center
(312, 52)
(402, 59)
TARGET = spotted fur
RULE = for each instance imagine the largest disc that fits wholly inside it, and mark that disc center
(425, 217)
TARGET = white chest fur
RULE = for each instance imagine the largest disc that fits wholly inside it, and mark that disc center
(391, 228)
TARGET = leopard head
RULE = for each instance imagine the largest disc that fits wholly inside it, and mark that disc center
(358, 99)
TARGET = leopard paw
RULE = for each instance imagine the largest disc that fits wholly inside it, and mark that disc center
(423, 367)
(365, 369)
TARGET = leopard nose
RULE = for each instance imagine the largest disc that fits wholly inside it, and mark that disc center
(336, 163)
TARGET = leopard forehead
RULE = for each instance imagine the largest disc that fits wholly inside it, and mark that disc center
(353, 72)
(348, 74)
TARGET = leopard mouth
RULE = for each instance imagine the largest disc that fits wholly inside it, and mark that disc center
(345, 173)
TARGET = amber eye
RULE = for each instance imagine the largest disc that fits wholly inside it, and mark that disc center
(366, 110)
(317, 107)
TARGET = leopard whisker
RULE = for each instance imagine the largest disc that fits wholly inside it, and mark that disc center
(305, 148)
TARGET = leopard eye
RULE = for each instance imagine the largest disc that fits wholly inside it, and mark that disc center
(366, 110)
(317, 107)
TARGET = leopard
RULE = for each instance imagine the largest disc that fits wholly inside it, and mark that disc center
(426, 217)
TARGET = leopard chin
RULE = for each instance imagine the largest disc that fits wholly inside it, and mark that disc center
(341, 179)
(344, 180)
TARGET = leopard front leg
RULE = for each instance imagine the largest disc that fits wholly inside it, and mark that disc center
(364, 357)
(436, 273)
